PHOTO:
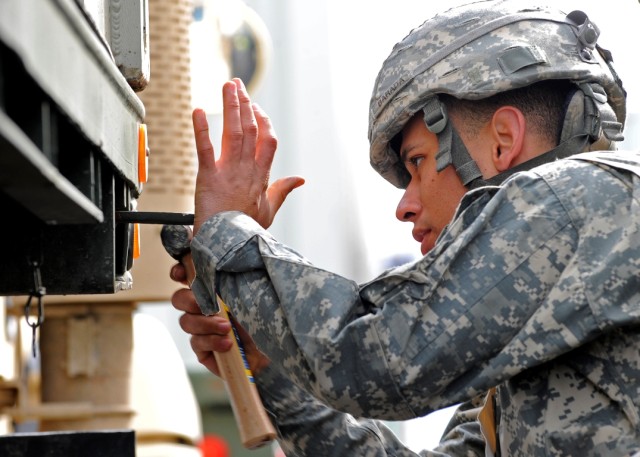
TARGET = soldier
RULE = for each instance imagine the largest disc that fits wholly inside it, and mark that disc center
(500, 121)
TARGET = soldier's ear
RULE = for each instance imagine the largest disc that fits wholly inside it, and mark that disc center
(508, 128)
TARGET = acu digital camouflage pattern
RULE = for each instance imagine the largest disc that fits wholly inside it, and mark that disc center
(533, 288)
(476, 51)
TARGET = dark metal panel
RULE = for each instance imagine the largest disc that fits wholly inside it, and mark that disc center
(61, 52)
(73, 259)
(104, 443)
(31, 179)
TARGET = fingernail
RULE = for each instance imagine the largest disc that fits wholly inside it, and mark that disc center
(227, 343)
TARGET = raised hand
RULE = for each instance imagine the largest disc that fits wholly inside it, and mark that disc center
(239, 179)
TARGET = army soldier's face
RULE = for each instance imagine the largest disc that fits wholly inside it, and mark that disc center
(431, 198)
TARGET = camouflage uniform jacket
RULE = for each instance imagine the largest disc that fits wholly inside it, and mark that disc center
(534, 287)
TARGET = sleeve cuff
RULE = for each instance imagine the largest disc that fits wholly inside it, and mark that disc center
(218, 236)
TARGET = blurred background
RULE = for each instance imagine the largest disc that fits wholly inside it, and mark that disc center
(311, 66)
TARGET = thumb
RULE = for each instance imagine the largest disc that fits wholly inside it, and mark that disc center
(257, 360)
(280, 189)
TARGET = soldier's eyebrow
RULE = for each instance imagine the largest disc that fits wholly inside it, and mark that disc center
(404, 152)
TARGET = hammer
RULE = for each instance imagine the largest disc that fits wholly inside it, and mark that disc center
(254, 425)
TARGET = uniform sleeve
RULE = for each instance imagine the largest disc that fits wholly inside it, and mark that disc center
(476, 310)
(306, 427)
(463, 435)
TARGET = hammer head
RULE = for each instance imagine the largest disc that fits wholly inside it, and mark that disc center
(176, 240)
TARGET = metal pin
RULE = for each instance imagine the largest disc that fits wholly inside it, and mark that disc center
(38, 292)
(154, 217)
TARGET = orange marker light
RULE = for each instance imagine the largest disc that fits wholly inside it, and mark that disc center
(143, 153)
(136, 241)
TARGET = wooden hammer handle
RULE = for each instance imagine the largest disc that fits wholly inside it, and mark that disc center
(253, 423)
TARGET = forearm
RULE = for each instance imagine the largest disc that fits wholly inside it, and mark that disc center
(306, 427)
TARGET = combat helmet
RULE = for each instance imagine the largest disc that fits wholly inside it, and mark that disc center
(483, 48)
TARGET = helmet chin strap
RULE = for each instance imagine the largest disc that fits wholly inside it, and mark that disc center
(590, 124)
(451, 148)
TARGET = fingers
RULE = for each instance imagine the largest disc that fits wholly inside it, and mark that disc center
(178, 273)
(209, 334)
(280, 189)
(248, 122)
(239, 178)
(199, 324)
(240, 128)
(211, 343)
(267, 142)
(232, 127)
(184, 300)
(195, 323)
(207, 359)
(204, 148)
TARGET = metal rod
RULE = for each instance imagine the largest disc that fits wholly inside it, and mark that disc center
(154, 217)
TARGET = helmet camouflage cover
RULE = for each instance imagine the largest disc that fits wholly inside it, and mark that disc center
(481, 49)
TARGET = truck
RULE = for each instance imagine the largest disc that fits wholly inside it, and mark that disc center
(73, 142)
(74, 157)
